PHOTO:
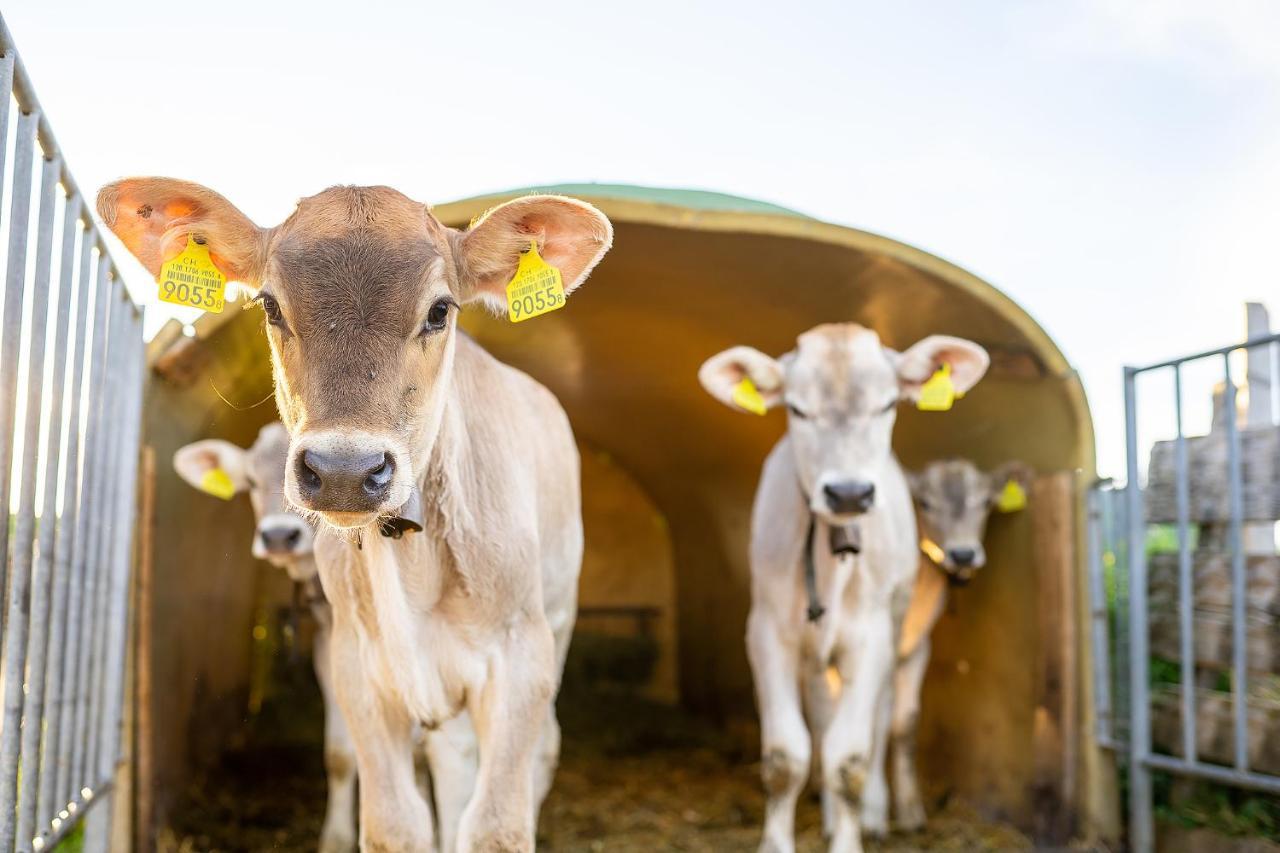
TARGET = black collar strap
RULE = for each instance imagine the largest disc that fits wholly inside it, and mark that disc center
(845, 539)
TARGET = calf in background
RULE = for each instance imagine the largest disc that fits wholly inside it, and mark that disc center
(284, 539)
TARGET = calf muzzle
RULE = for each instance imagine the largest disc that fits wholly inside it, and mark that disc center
(344, 482)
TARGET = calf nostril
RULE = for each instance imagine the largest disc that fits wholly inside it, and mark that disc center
(294, 536)
(379, 478)
(962, 556)
(307, 476)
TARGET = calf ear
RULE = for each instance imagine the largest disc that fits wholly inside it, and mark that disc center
(572, 236)
(153, 216)
(195, 460)
(722, 373)
(1019, 472)
(968, 363)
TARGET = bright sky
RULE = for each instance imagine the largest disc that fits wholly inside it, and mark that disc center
(1114, 166)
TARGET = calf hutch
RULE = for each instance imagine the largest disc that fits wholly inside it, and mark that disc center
(668, 479)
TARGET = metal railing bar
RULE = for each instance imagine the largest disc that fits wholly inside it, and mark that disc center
(1214, 773)
(118, 348)
(79, 625)
(34, 768)
(92, 377)
(18, 611)
(1141, 828)
(1098, 618)
(6, 91)
(123, 562)
(1186, 578)
(1235, 488)
(56, 768)
(1246, 344)
(14, 297)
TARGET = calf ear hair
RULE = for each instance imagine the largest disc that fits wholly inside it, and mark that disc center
(571, 235)
(154, 216)
(1020, 472)
(968, 363)
(722, 373)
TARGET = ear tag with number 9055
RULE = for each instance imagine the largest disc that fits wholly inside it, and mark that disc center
(535, 289)
(938, 392)
(747, 397)
(217, 482)
(1013, 498)
(190, 278)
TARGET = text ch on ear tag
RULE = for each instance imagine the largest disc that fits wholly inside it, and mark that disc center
(535, 289)
(1013, 498)
(938, 393)
(217, 482)
(191, 279)
(746, 396)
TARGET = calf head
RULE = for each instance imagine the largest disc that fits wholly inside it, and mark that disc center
(841, 387)
(954, 499)
(360, 288)
(282, 537)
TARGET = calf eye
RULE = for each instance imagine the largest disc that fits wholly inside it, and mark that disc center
(437, 317)
(796, 411)
(271, 308)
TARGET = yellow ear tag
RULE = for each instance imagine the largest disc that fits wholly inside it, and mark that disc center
(747, 397)
(217, 482)
(535, 289)
(938, 393)
(1013, 498)
(192, 279)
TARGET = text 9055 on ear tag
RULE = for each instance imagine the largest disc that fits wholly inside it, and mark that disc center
(217, 482)
(190, 278)
(535, 289)
(938, 393)
(745, 396)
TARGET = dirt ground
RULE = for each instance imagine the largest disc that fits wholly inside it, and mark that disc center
(633, 777)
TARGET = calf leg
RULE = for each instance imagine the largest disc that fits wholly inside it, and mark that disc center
(785, 745)
(509, 712)
(453, 758)
(864, 659)
(338, 834)
(544, 767)
(908, 679)
(819, 705)
(394, 818)
(875, 796)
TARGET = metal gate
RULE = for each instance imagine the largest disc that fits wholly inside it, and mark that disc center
(71, 358)
(1208, 492)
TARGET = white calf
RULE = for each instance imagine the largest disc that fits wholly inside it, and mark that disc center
(284, 538)
(447, 482)
(834, 468)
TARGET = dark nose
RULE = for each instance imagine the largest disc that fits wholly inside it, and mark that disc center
(850, 496)
(280, 540)
(344, 482)
(962, 557)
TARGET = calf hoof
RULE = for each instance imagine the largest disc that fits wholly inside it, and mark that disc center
(508, 841)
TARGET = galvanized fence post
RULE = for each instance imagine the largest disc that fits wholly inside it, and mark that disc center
(1141, 828)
